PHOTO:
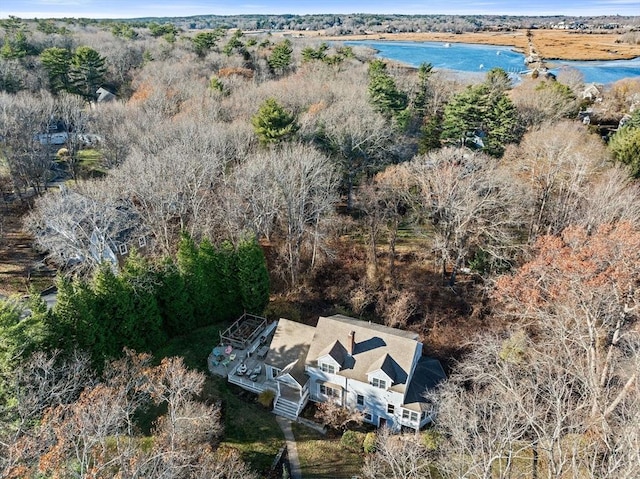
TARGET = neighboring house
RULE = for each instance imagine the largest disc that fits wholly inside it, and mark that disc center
(57, 133)
(103, 95)
(114, 249)
(592, 92)
(376, 369)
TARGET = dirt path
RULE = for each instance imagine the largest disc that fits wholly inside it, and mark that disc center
(17, 256)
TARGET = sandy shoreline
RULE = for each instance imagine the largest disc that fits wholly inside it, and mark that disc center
(550, 44)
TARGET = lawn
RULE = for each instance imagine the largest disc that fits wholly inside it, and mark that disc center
(323, 457)
(248, 427)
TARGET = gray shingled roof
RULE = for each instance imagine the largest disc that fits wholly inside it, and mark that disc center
(290, 343)
(428, 375)
(337, 351)
(372, 343)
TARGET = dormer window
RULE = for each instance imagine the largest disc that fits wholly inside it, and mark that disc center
(122, 248)
(328, 368)
(379, 383)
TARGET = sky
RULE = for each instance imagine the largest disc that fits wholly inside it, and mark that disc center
(170, 8)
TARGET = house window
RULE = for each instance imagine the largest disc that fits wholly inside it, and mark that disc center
(142, 241)
(411, 415)
(122, 248)
(274, 372)
(368, 416)
(329, 391)
(360, 400)
(390, 408)
(379, 383)
(328, 368)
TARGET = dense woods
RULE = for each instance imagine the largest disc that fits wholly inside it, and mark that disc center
(232, 171)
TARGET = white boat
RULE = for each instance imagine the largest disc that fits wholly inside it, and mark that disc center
(447, 45)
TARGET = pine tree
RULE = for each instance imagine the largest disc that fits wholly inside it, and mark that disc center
(87, 71)
(191, 270)
(383, 92)
(73, 322)
(272, 123)
(464, 115)
(253, 277)
(57, 63)
(144, 320)
(173, 300)
(203, 42)
(113, 309)
(625, 147)
(227, 282)
(280, 58)
(211, 297)
(502, 126)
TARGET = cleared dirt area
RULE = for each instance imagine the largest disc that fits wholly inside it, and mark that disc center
(20, 265)
(549, 44)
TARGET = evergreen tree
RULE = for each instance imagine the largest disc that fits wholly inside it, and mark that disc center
(502, 126)
(236, 44)
(625, 144)
(57, 62)
(280, 58)
(424, 93)
(310, 53)
(383, 93)
(272, 123)
(253, 277)
(87, 71)
(113, 310)
(175, 305)
(191, 270)
(144, 321)
(73, 322)
(203, 42)
(465, 115)
(20, 336)
(211, 298)
(430, 134)
(227, 282)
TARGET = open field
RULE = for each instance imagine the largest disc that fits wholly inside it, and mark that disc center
(549, 44)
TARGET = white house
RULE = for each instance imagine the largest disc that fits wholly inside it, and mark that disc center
(357, 364)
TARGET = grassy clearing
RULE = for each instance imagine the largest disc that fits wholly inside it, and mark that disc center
(323, 457)
(90, 161)
(248, 427)
(194, 347)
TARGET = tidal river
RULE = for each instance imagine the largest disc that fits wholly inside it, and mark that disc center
(466, 57)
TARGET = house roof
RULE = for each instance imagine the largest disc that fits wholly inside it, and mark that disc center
(289, 348)
(391, 349)
(337, 351)
(427, 375)
(386, 364)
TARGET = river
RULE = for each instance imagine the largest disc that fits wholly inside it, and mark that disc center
(466, 57)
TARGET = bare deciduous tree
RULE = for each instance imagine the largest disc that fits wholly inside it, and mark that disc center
(468, 202)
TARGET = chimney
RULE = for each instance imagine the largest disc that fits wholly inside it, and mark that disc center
(351, 343)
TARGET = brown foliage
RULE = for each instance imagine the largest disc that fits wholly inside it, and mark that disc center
(236, 71)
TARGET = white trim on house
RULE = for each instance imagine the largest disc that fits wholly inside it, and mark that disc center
(378, 370)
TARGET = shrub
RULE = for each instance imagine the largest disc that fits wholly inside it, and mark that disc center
(369, 443)
(266, 398)
(352, 440)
